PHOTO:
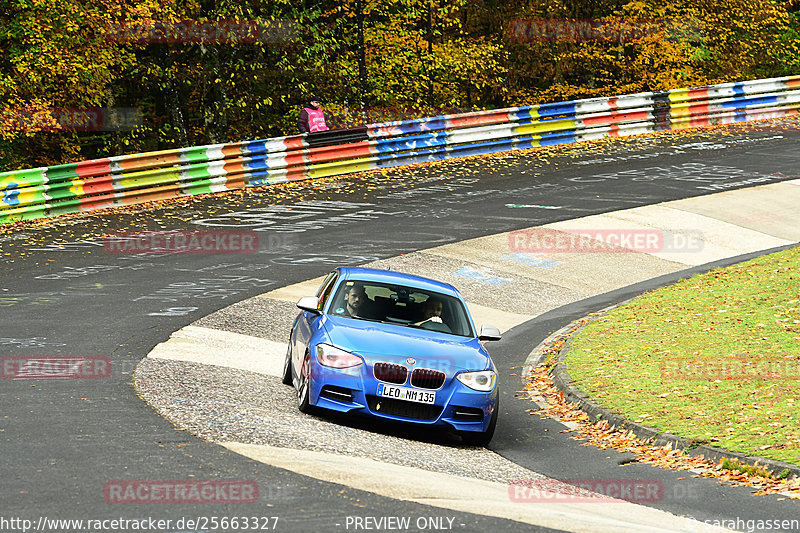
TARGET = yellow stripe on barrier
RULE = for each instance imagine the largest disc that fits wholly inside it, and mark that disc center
(340, 167)
(147, 177)
(77, 187)
(545, 126)
(678, 95)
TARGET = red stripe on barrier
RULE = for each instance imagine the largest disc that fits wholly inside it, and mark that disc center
(615, 118)
(235, 182)
(151, 196)
(96, 202)
(95, 167)
(151, 160)
(698, 94)
(293, 143)
(477, 120)
(793, 83)
(703, 119)
(294, 158)
(232, 150)
(101, 184)
(699, 108)
(297, 173)
(333, 153)
(103, 201)
(612, 103)
(234, 167)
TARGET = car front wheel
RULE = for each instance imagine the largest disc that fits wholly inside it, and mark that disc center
(304, 392)
(287, 364)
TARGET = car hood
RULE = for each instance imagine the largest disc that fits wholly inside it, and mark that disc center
(376, 341)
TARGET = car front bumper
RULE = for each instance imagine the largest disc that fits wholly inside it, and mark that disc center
(348, 391)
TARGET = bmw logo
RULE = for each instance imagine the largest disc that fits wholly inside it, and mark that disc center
(411, 361)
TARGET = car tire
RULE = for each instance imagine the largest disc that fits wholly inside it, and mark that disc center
(304, 390)
(287, 365)
(483, 439)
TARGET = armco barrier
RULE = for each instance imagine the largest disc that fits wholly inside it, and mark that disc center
(132, 179)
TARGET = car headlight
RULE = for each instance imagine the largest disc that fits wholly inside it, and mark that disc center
(334, 357)
(481, 381)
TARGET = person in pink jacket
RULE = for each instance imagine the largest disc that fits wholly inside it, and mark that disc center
(311, 118)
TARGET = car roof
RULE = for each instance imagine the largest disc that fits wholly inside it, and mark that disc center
(391, 276)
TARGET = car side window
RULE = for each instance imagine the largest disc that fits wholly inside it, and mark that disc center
(326, 290)
(324, 284)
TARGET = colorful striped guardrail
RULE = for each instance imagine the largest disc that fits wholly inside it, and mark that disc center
(138, 178)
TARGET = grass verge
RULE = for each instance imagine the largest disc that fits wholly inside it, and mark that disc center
(714, 358)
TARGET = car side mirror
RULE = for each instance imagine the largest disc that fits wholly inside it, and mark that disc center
(309, 303)
(489, 333)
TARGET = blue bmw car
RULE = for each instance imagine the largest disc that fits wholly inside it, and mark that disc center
(393, 346)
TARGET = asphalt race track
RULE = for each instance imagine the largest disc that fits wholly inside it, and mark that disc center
(64, 294)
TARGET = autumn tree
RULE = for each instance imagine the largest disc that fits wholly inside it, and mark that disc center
(396, 58)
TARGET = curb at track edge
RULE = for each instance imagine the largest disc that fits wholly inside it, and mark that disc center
(564, 383)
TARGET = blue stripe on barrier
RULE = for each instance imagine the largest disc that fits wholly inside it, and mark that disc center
(258, 174)
(410, 143)
(549, 139)
(254, 147)
(534, 120)
(561, 117)
(412, 158)
(525, 142)
(481, 148)
(256, 163)
(524, 113)
(435, 124)
(261, 181)
(739, 103)
(263, 177)
(437, 153)
(560, 108)
(412, 126)
(385, 159)
(738, 89)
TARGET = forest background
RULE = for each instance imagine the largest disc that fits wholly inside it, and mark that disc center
(82, 79)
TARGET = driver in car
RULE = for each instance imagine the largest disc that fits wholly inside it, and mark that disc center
(357, 303)
(432, 313)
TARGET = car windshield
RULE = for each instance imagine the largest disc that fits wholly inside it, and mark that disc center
(402, 305)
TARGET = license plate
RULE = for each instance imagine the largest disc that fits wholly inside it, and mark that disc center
(404, 393)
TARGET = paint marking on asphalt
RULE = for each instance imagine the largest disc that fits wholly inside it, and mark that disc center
(222, 348)
(548, 509)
